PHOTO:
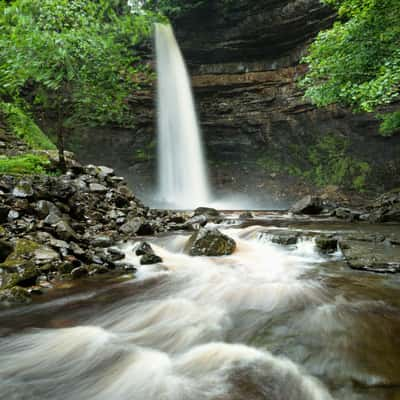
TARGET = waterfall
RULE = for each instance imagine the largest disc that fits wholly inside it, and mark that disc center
(183, 181)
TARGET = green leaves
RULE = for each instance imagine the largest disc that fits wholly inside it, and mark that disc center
(76, 56)
(356, 63)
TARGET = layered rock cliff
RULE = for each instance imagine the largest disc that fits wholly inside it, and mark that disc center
(262, 136)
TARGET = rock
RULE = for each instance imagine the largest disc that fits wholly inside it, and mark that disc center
(246, 215)
(210, 242)
(104, 172)
(4, 213)
(64, 231)
(23, 190)
(208, 212)
(371, 256)
(326, 244)
(15, 295)
(79, 272)
(24, 278)
(346, 213)
(148, 259)
(309, 205)
(195, 223)
(23, 252)
(285, 239)
(102, 241)
(386, 208)
(43, 208)
(97, 188)
(13, 215)
(6, 248)
(44, 255)
(52, 218)
(132, 226)
(143, 248)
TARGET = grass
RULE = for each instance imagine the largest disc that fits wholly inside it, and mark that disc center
(24, 165)
(22, 125)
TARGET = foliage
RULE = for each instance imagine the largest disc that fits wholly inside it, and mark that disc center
(390, 124)
(333, 165)
(171, 8)
(328, 162)
(76, 57)
(25, 164)
(23, 126)
(357, 62)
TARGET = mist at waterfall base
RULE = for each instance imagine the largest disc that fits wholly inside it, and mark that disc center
(182, 172)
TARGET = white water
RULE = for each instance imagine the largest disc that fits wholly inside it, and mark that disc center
(180, 340)
(183, 181)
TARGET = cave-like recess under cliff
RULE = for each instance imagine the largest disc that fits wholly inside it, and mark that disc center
(258, 129)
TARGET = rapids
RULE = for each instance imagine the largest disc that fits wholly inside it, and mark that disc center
(268, 322)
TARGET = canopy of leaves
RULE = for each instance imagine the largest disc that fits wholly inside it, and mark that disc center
(356, 63)
(76, 56)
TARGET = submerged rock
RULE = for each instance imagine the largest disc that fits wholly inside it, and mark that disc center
(309, 205)
(285, 239)
(210, 242)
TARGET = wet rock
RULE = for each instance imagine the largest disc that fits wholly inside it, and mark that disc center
(309, 205)
(102, 241)
(378, 257)
(143, 248)
(104, 172)
(6, 248)
(386, 207)
(13, 215)
(15, 295)
(52, 218)
(195, 223)
(148, 259)
(346, 214)
(24, 278)
(23, 190)
(285, 239)
(207, 211)
(23, 252)
(210, 242)
(246, 215)
(79, 272)
(326, 244)
(97, 188)
(96, 269)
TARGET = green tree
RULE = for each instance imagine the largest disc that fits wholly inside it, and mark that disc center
(356, 63)
(76, 57)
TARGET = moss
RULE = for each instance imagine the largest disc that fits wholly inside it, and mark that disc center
(23, 250)
(22, 126)
(24, 165)
(16, 295)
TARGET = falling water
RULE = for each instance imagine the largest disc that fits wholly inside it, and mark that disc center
(182, 170)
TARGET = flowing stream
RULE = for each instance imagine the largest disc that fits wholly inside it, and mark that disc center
(183, 181)
(266, 323)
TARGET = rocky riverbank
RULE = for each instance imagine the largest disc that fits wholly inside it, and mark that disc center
(69, 227)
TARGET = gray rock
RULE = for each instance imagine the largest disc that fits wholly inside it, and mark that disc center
(97, 188)
(79, 272)
(143, 248)
(104, 172)
(309, 205)
(44, 255)
(132, 226)
(207, 211)
(64, 231)
(210, 242)
(102, 241)
(23, 190)
(246, 215)
(13, 215)
(76, 249)
(43, 208)
(52, 218)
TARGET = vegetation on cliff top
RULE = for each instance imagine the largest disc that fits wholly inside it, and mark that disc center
(76, 58)
(356, 63)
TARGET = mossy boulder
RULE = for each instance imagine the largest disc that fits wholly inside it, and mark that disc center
(24, 250)
(15, 295)
(26, 277)
(326, 244)
(210, 242)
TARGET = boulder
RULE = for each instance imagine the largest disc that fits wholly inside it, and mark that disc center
(44, 207)
(309, 205)
(15, 295)
(6, 248)
(97, 188)
(246, 215)
(102, 241)
(326, 244)
(23, 190)
(143, 248)
(132, 226)
(64, 231)
(148, 259)
(210, 242)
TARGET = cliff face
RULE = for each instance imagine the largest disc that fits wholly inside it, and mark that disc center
(261, 135)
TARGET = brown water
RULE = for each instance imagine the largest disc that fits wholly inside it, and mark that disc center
(269, 322)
